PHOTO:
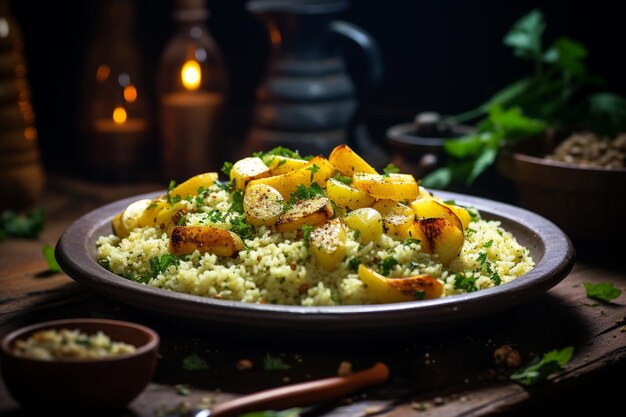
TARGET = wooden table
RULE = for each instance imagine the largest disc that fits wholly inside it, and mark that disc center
(443, 374)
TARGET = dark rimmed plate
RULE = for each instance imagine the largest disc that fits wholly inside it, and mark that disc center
(550, 248)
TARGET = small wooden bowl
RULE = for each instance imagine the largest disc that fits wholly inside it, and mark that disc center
(81, 384)
(587, 203)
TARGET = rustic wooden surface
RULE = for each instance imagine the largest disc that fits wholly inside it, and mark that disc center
(449, 373)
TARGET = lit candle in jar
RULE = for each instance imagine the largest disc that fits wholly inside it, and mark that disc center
(189, 118)
(118, 147)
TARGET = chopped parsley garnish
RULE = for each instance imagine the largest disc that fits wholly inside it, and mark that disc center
(387, 264)
(475, 217)
(172, 199)
(160, 264)
(304, 193)
(412, 240)
(48, 253)
(280, 151)
(306, 234)
(482, 257)
(540, 369)
(105, 263)
(237, 204)
(29, 225)
(353, 264)
(495, 277)
(357, 234)
(488, 243)
(603, 291)
(463, 282)
(194, 362)
(314, 169)
(343, 178)
(391, 169)
(226, 186)
(419, 294)
(271, 363)
(226, 168)
(450, 202)
(216, 216)
(240, 226)
(132, 276)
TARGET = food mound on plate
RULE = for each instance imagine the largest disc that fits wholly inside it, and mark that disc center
(311, 231)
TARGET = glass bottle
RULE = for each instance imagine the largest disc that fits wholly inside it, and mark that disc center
(116, 123)
(192, 87)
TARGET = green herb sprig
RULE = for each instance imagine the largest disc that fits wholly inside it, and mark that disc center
(540, 369)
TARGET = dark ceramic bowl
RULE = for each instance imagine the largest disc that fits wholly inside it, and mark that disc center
(81, 384)
(587, 203)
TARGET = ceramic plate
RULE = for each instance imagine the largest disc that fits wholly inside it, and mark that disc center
(550, 248)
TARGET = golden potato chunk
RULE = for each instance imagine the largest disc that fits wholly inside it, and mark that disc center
(345, 196)
(279, 165)
(262, 205)
(397, 187)
(328, 244)
(397, 218)
(441, 237)
(247, 169)
(461, 213)
(318, 170)
(130, 218)
(193, 184)
(314, 212)
(187, 239)
(367, 222)
(431, 208)
(348, 162)
(395, 290)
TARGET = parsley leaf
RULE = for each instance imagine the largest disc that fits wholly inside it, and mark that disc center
(540, 369)
(304, 193)
(237, 204)
(412, 240)
(314, 169)
(160, 264)
(353, 264)
(240, 226)
(280, 151)
(194, 362)
(419, 294)
(387, 264)
(29, 225)
(271, 363)
(306, 234)
(463, 282)
(226, 168)
(391, 169)
(488, 243)
(48, 253)
(603, 291)
(343, 178)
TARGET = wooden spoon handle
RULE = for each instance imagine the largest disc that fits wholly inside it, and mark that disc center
(304, 393)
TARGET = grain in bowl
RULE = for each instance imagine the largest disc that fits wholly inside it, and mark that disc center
(309, 231)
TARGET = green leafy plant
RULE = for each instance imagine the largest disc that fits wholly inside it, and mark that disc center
(603, 291)
(540, 369)
(558, 93)
(28, 225)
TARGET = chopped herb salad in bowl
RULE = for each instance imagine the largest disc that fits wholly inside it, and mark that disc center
(309, 231)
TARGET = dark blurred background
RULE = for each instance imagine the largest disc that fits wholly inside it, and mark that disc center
(445, 56)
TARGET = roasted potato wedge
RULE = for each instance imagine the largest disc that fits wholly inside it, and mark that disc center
(328, 244)
(397, 187)
(247, 169)
(394, 290)
(187, 239)
(441, 237)
(429, 207)
(262, 205)
(318, 170)
(279, 165)
(314, 212)
(193, 184)
(129, 218)
(397, 218)
(461, 213)
(345, 196)
(348, 162)
(367, 221)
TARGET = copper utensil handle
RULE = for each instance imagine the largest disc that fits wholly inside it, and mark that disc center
(304, 393)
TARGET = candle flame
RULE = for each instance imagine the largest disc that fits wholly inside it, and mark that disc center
(130, 93)
(190, 75)
(119, 115)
